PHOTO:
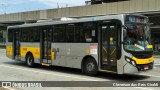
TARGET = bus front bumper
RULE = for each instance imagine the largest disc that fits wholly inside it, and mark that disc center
(130, 69)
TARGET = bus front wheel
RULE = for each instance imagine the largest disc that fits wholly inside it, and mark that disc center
(90, 67)
(30, 60)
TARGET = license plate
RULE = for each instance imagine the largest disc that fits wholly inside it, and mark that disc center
(146, 67)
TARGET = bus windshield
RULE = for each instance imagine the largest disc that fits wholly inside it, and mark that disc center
(137, 37)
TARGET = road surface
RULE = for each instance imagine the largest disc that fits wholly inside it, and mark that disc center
(17, 71)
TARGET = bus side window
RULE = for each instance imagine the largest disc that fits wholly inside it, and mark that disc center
(70, 33)
(88, 37)
(82, 38)
(77, 33)
(10, 35)
(31, 34)
(89, 30)
(59, 33)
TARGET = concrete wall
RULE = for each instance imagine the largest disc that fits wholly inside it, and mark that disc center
(91, 10)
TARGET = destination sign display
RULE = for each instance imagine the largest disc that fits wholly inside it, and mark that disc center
(138, 19)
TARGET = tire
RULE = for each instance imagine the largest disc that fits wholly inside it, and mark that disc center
(30, 60)
(90, 67)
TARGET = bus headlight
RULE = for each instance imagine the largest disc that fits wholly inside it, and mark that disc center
(129, 60)
(133, 63)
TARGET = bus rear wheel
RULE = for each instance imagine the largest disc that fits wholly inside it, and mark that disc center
(30, 60)
(90, 67)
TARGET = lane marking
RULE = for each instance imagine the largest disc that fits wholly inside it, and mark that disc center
(150, 75)
(144, 88)
(5, 58)
(9, 88)
(43, 72)
(157, 64)
(155, 67)
(69, 76)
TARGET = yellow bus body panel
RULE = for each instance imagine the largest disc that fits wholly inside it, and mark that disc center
(143, 61)
(9, 50)
(52, 55)
(150, 46)
(34, 50)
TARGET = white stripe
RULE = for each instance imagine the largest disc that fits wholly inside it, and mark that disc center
(70, 76)
(144, 88)
(155, 67)
(157, 64)
(43, 72)
(65, 75)
(4, 58)
(150, 75)
(9, 88)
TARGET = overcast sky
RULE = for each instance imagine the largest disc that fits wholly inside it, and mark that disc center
(13, 6)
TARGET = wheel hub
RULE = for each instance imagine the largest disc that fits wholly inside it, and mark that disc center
(90, 67)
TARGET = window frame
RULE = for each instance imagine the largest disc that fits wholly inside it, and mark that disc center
(77, 29)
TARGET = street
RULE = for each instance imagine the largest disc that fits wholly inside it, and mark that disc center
(17, 71)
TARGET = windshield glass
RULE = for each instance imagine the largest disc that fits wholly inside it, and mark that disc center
(137, 37)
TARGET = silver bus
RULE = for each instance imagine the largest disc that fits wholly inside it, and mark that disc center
(114, 43)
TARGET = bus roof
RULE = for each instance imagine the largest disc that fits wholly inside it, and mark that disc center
(87, 19)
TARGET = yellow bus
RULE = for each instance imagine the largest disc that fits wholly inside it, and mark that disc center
(114, 43)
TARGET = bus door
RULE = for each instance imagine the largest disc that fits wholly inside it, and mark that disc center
(16, 44)
(46, 40)
(108, 46)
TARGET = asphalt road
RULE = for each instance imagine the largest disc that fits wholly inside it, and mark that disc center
(17, 71)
